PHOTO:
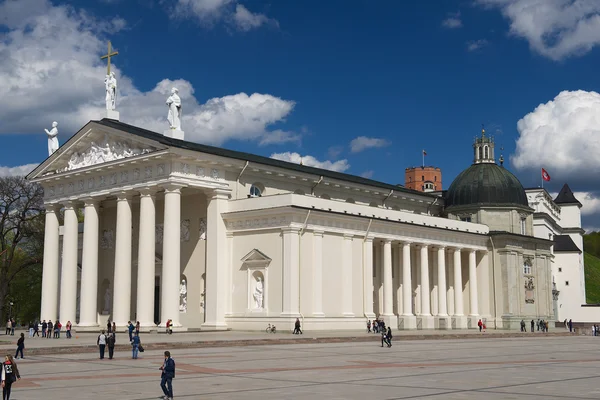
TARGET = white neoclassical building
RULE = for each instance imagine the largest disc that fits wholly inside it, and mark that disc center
(217, 239)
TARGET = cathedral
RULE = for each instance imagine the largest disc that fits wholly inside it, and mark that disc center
(215, 239)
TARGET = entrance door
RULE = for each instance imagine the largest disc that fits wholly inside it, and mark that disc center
(157, 300)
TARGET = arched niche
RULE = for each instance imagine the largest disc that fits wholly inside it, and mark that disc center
(256, 264)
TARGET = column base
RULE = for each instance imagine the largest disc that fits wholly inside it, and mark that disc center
(472, 321)
(174, 133)
(318, 315)
(348, 315)
(443, 322)
(390, 320)
(459, 322)
(407, 322)
(87, 325)
(213, 326)
(425, 322)
(290, 315)
(112, 114)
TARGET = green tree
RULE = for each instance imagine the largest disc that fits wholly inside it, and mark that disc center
(21, 245)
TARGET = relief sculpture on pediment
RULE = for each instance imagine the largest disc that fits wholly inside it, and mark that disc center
(105, 151)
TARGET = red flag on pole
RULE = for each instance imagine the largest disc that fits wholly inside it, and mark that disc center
(424, 153)
(545, 175)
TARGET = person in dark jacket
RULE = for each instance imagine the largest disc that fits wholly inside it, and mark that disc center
(10, 374)
(50, 329)
(110, 343)
(130, 329)
(388, 337)
(166, 378)
(44, 328)
(135, 346)
(20, 346)
(297, 330)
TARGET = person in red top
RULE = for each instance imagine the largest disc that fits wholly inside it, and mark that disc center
(10, 374)
(169, 327)
(69, 326)
(480, 325)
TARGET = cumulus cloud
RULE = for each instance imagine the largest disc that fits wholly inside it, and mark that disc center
(210, 12)
(475, 45)
(362, 143)
(20, 170)
(563, 136)
(310, 161)
(453, 21)
(553, 28)
(50, 56)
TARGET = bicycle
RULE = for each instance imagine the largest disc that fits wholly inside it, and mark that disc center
(271, 329)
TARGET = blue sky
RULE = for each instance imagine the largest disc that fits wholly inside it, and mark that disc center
(403, 75)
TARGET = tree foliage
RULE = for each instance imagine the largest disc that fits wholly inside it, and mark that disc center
(21, 244)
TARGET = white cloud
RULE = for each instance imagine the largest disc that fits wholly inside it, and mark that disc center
(590, 202)
(209, 12)
(563, 136)
(20, 170)
(51, 59)
(453, 21)
(553, 28)
(367, 174)
(362, 143)
(310, 161)
(475, 45)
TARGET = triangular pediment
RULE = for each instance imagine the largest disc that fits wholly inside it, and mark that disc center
(95, 144)
(256, 256)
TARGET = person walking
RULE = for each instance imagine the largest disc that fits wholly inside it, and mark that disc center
(110, 343)
(101, 342)
(10, 374)
(20, 346)
(388, 337)
(135, 346)
(480, 325)
(167, 375)
(36, 329)
(297, 330)
(570, 325)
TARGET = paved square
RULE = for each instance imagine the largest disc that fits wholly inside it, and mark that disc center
(511, 368)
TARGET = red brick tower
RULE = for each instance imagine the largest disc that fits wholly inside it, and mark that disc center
(423, 179)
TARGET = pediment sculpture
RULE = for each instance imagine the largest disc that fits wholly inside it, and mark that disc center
(105, 151)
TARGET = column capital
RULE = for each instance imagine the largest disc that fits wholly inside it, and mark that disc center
(92, 201)
(386, 241)
(290, 229)
(229, 234)
(406, 243)
(52, 207)
(439, 247)
(369, 239)
(148, 191)
(318, 233)
(218, 194)
(348, 236)
(124, 196)
(421, 245)
(69, 205)
(172, 187)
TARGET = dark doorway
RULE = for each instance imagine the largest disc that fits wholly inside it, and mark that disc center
(157, 300)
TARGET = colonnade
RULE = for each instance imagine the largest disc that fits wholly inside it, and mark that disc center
(122, 282)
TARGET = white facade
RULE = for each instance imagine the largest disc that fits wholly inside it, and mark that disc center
(261, 241)
(560, 222)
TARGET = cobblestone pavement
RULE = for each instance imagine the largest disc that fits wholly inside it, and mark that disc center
(496, 368)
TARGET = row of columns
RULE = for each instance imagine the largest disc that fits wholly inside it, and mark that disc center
(407, 299)
(123, 259)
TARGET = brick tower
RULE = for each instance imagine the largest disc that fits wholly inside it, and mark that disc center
(423, 179)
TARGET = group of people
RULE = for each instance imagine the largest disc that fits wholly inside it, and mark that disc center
(540, 324)
(376, 326)
(11, 324)
(49, 329)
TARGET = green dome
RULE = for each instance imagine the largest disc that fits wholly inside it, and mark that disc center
(486, 184)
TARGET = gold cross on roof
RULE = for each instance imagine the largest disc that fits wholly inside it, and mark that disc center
(108, 55)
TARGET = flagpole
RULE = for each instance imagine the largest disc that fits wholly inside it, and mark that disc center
(542, 175)
(423, 154)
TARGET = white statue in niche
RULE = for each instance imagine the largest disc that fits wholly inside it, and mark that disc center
(174, 104)
(107, 296)
(52, 139)
(202, 229)
(110, 82)
(258, 293)
(183, 296)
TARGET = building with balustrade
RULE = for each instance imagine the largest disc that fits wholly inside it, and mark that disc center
(216, 239)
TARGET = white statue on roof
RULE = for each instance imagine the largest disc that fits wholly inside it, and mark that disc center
(174, 104)
(110, 82)
(52, 138)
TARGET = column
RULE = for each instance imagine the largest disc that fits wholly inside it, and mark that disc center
(347, 276)
(68, 278)
(88, 299)
(459, 321)
(368, 277)
(406, 280)
(388, 298)
(441, 264)
(217, 285)
(425, 318)
(318, 274)
(473, 310)
(291, 272)
(146, 259)
(50, 270)
(122, 278)
(171, 265)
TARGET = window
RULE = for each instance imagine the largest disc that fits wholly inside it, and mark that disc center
(523, 226)
(435, 178)
(465, 219)
(486, 152)
(409, 179)
(422, 177)
(559, 269)
(428, 186)
(566, 283)
(527, 264)
(256, 190)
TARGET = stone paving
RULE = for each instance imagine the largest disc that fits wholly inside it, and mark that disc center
(526, 367)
